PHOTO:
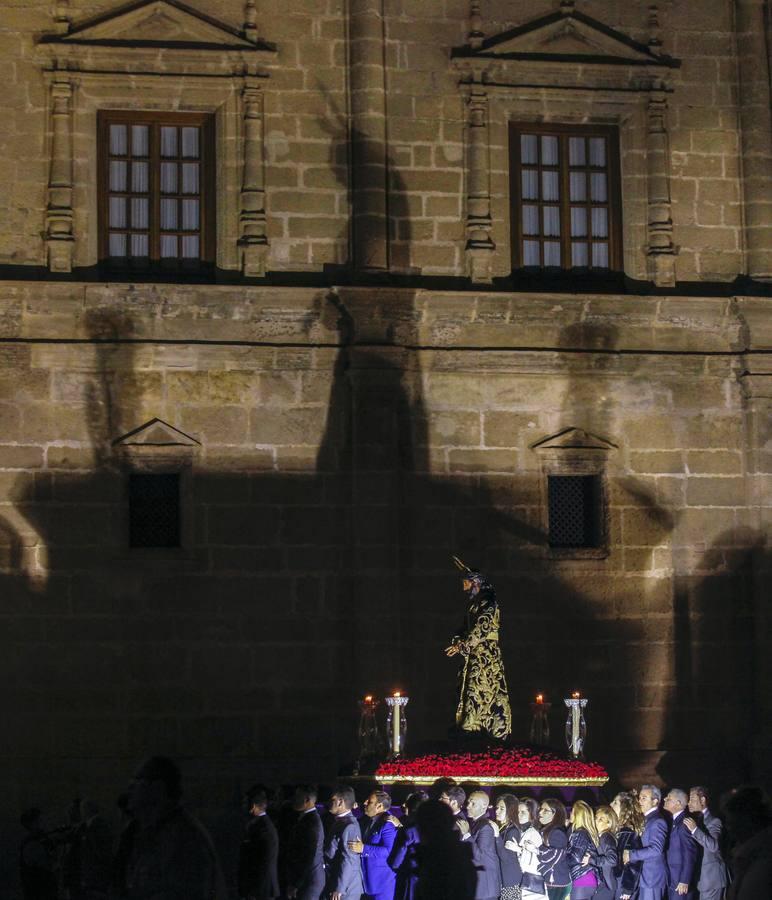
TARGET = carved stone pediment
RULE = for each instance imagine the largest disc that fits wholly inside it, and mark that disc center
(564, 38)
(154, 33)
(574, 439)
(156, 433)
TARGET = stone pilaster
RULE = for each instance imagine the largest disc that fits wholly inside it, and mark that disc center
(661, 250)
(756, 135)
(59, 214)
(367, 80)
(479, 246)
(253, 239)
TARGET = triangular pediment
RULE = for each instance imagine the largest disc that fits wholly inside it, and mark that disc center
(569, 37)
(156, 23)
(156, 433)
(574, 439)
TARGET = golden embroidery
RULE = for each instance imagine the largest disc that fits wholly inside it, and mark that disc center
(484, 700)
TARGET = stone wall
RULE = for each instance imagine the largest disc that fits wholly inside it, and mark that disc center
(350, 442)
(338, 444)
(306, 134)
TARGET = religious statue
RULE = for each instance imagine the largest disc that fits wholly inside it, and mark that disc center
(483, 704)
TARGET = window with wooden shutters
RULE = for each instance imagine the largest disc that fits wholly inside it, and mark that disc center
(156, 177)
(565, 199)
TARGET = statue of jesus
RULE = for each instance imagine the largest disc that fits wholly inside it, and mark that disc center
(483, 705)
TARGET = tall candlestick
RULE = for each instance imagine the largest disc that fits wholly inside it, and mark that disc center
(396, 723)
(576, 728)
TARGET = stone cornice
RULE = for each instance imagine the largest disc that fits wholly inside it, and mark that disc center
(603, 326)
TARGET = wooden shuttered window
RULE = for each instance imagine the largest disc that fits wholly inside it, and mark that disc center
(565, 198)
(156, 190)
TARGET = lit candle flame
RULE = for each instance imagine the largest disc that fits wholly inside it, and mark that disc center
(397, 694)
(576, 695)
(540, 698)
(369, 698)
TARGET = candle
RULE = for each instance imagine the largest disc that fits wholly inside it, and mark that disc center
(575, 728)
(395, 725)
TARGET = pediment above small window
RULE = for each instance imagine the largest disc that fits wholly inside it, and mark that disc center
(156, 433)
(565, 39)
(165, 28)
(574, 439)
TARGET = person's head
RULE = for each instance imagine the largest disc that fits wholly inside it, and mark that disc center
(606, 820)
(552, 814)
(342, 800)
(582, 817)
(32, 819)
(506, 809)
(649, 797)
(698, 799)
(256, 799)
(675, 801)
(156, 786)
(304, 797)
(477, 804)
(527, 809)
(378, 802)
(454, 797)
(747, 811)
(628, 812)
(413, 801)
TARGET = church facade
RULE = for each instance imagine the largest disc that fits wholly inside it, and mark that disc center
(298, 300)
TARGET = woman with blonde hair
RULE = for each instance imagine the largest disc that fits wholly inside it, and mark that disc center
(582, 852)
(630, 824)
(606, 824)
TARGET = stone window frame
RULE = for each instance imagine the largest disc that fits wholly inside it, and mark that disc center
(191, 63)
(576, 452)
(567, 68)
(156, 448)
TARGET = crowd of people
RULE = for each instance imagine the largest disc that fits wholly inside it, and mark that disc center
(448, 846)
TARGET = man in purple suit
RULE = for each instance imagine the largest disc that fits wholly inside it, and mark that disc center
(651, 853)
(377, 840)
(681, 849)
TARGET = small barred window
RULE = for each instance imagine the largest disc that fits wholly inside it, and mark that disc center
(154, 510)
(574, 511)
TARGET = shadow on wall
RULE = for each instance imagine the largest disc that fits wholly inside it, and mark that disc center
(713, 711)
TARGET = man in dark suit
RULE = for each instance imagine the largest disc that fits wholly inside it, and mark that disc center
(481, 834)
(651, 853)
(682, 851)
(375, 846)
(305, 860)
(455, 797)
(344, 869)
(705, 829)
(259, 853)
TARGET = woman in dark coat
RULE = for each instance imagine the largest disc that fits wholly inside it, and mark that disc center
(629, 830)
(402, 858)
(553, 863)
(606, 825)
(582, 852)
(511, 873)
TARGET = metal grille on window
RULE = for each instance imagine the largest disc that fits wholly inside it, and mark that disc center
(574, 510)
(154, 510)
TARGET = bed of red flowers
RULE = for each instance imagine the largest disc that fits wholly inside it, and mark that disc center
(499, 762)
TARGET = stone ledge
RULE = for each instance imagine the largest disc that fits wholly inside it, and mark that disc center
(601, 324)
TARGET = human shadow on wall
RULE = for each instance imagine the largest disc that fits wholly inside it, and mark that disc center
(713, 709)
